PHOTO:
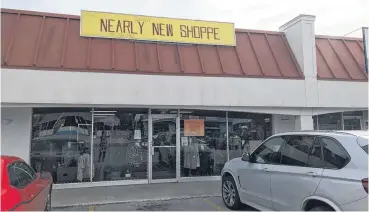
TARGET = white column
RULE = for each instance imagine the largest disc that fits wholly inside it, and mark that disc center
(304, 122)
(282, 123)
(300, 34)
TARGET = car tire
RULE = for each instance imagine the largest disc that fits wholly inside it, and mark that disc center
(48, 201)
(321, 208)
(230, 194)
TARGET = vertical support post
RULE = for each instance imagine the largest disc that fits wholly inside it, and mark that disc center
(149, 164)
(178, 146)
(342, 122)
(317, 122)
(227, 135)
(92, 144)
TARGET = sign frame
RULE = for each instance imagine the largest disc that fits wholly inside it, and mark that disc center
(153, 40)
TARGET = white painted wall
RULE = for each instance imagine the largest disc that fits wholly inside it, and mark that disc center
(343, 94)
(259, 95)
(16, 132)
(61, 87)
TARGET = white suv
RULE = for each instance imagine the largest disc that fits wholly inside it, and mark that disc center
(301, 171)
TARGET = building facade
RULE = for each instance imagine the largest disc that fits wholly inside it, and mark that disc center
(128, 108)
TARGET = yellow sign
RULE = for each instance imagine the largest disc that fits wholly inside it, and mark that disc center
(122, 26)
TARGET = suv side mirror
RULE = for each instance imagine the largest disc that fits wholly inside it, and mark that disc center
(246, 157)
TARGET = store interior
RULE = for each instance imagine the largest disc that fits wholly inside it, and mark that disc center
(107, 144)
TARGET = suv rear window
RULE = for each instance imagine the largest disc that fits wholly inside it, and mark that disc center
(363, 143)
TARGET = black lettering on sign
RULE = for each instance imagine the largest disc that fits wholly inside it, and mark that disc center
(103, 25)
(216, 33)
(126, 26)
(202, 32)
(183, 31)
(162, 29)
(169, 29)
(155, 29)
(209, 32)
(131, 27)
(110, 25)
(189, 31)
(141, 24)
(196, 32)
(119, 27)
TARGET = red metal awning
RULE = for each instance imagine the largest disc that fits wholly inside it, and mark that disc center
(36, 40)
(340, 58)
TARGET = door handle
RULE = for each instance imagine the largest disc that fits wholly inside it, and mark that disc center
(266, 170)
(312, 174)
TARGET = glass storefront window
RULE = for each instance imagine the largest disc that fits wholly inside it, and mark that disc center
(205, 153)
(58, 141)
(120, 144)
(352, 120)
(107, 144)
(247, 131)
(61, 144)
(330, 121)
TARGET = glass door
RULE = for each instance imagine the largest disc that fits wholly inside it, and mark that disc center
(164, 146)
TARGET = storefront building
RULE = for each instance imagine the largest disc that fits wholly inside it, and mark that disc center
(97, 111)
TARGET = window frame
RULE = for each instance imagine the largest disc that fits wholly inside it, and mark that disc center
(340, 146)
(33, 175)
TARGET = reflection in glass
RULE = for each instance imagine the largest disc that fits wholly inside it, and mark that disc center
(164, 143)
(297, 150)
(59, 138)
(331, 121)
(204, 155)
(164, 163)
(246, 132)
(120, 144)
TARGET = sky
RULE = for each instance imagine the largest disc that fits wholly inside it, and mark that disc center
(333, 17)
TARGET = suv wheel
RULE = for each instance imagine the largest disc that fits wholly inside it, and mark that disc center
(230, 194)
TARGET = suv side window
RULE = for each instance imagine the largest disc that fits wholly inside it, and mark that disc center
(20, 174)
(334, 155)
(296, 151)
(269, 151)
(316, 157)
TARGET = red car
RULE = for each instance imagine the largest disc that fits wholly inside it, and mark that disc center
(22, 189)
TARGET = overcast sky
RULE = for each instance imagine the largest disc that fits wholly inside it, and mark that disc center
(333, 17)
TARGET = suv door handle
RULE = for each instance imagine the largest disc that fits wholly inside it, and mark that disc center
(266, 170)
(312, 174)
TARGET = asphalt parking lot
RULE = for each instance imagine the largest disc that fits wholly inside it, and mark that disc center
(195, 204)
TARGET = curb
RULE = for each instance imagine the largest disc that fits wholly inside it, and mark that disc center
(107, 202)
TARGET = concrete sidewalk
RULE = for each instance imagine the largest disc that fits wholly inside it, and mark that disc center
(134, 193)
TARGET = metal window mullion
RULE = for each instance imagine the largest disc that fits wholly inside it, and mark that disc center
(342, 121)
(317, 122)
(92, 143)
(149, 164)
(178, 146)
(227, 130)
